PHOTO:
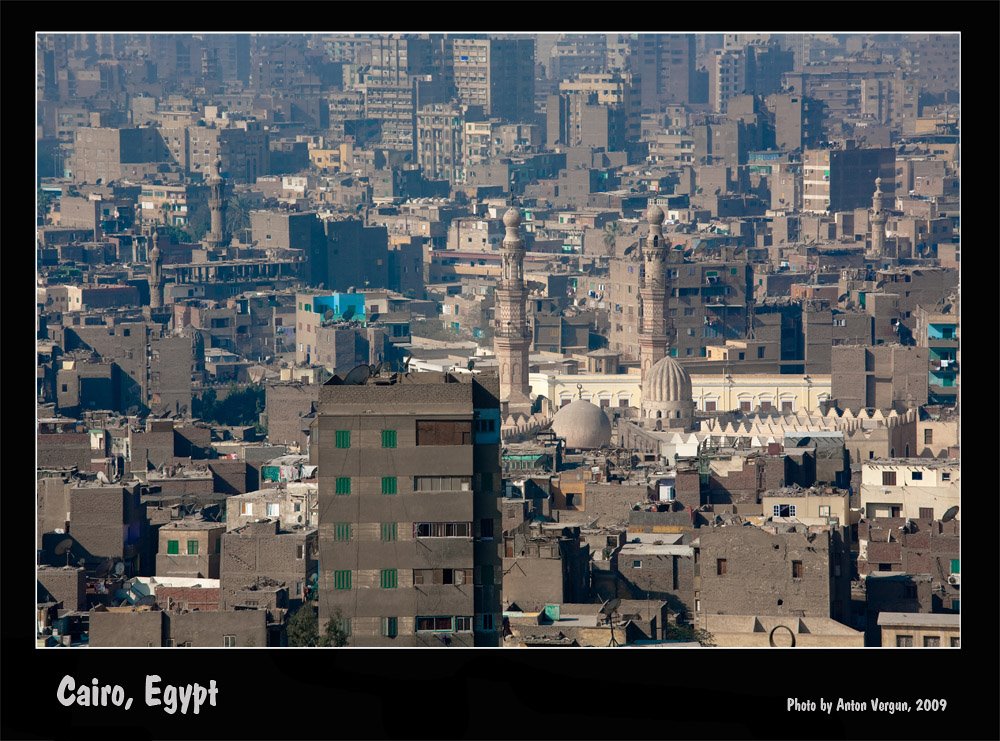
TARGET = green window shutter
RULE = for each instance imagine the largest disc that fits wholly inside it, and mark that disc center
(192, 547)
(388, 484)
(173, 547)
(391, 627)
(343, 438)
(389, 578)
(956, 567)
(388, 438)
(389, 531)
(342, 531)
(341, 579)
(343, 485)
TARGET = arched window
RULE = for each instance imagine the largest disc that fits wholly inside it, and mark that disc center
(659, 415)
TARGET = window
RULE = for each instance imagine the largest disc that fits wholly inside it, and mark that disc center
(173, 547)
(437, 624)
(486, 528)
(904, 641)
(720, 567)
(932, 641)
(786, 406)
(916, 476)
(300, 551)
(926, 513)
(956, 566)
(297, 507)
(796, 569)
(744, 406)
(946, 477)
(487, 621)
(888, 478)
(192, 547)
(463, 624)
(343, 438)
(637, 564)
(442, 483)
(824, 510)
(342, 531)
(710, 406)
(388, 438)
(388, 484)
(444, 432)
(784, 510)
(390, 627)
(273, 509)
(341, 579)
(389, 579)
(343, 485)
(229, 641)
(389, 531)
(928, 437)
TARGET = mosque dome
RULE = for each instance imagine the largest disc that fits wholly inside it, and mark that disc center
(655, 215)
(667, 381)
(583, 425)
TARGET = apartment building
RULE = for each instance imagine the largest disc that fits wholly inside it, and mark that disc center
(409, 480)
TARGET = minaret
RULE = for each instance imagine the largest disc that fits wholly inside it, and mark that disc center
(653, 340)
(511, 340)
(878, 219)
(155, 274)
(216, 202)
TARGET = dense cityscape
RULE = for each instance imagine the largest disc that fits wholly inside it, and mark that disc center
(455, 340)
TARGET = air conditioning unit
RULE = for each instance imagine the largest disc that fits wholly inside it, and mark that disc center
(955, 579)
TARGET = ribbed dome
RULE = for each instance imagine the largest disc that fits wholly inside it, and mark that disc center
(583, 425)
(666, 381)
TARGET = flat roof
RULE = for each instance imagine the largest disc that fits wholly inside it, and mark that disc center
(919, 619)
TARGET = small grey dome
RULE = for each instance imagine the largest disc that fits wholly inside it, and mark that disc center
(655, 215)
(583, 425)
(667, 380)
(512, 218)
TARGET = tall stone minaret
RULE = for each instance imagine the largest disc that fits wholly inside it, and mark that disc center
(879, 218)
(155, 274)
(511, 341)
(216, 237)
(653, 332)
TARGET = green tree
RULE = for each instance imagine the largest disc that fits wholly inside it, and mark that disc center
(44, 201)
(336, 631)
(676, 632)
(303, 627)
(199, 221)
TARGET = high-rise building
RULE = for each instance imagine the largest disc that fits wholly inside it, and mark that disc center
(497, 74)
(844, 179)
(727, 77)
(409, 484)
(665, 64)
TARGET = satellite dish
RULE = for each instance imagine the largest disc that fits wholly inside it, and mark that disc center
(348, 313)
(102, 478)
(949, 514)
(358, 375)
(63, 546)
(104, 568)
(119, 568)
(471, 364)
(328, 314)
(373, 317)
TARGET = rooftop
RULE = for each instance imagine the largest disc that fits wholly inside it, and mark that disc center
(914, 619)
